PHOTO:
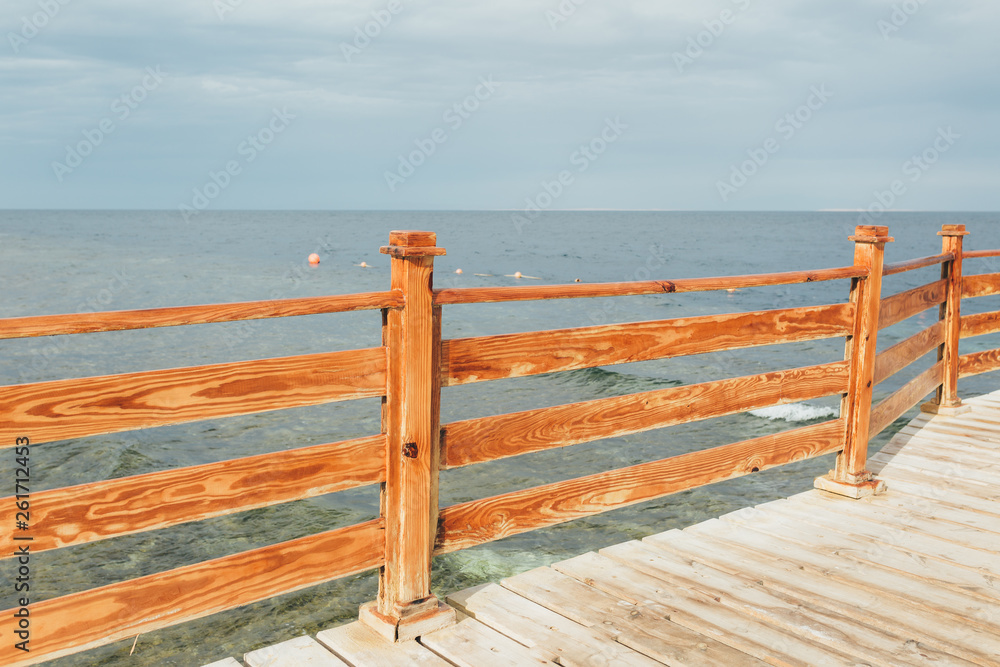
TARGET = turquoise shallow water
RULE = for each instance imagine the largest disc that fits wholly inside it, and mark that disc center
(55, 262)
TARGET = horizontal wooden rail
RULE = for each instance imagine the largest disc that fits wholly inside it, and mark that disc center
(540, 292)
(902, 354)
(467, 360)
(898, 307)
(80, 621)
(62, 409)
(980, 324)
(51, 325)
(91, 512)
(919, 263)
(973, 254)
(983, 284)
(978, 362)
(904, 398)
(491, 438)
(480, 521)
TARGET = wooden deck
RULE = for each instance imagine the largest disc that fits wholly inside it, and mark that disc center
(911, 577)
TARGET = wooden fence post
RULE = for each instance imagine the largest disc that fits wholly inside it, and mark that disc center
(947, 400)
(405, 607)
(850, 478)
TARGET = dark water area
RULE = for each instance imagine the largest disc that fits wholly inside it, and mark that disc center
(66, 262)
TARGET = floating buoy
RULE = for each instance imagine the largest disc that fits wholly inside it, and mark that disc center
(458, 271)
(363, 265)
(577, 280)
(731, 290)
(314, 258)
(517, 274)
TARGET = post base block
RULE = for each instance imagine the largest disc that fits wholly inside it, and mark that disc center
(428, 618)
(946, 410)
(856, 490)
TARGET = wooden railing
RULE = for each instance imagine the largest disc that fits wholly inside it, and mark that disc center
(408, 371)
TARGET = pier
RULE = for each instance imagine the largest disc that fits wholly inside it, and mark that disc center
(890, 560)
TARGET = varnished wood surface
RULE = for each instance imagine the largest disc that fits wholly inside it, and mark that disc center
(63, 409)
(972, 254)
(904, 578)
(902, 354)
(899, 307)
(904, 398)
(478, 521)
(74, 323)
(919, 263)
(467, 360)
(978, 362)
(102, 615)
(980, 324)
(97, 511)
(983, 284)
(575, 291)
(490, 438)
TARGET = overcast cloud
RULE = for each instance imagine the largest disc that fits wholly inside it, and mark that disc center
(282, 105)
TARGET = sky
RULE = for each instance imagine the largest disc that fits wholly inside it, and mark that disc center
(554, 104)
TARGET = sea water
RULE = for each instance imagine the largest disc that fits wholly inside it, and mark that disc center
(82, 261)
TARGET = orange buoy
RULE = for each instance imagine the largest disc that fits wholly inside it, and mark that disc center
(458, 271)
(517, 274)
(314, 258)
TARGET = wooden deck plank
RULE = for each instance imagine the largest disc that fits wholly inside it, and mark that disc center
(859, 603)
(470, 643)
(646, 626)
(938, 465)
(702, 613)
(358, 645)
(533, 625)
(225, 662)
(299, 652)
(781, 610)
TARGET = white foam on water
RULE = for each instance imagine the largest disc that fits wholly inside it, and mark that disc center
(795, 412)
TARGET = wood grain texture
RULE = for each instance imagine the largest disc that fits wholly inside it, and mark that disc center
(972, 254)
(491, 438)
(576, 291)
(74, 323)
(951, 313)
(892, 407)
(978, 362)
(919, 263)
(898, 307)
(902, 354)
(980, 324)
(63, 409)
(91, 512)
(983, 284)
(479, 521)
(467, 360)
(103, 615)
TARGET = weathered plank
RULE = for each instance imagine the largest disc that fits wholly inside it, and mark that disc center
(535, 626)
(983, 284)
(904, 398)
(467, 360)
(490, 438)
(356, 644)
(902, 354)
(534, 293)
(978, 362)
(225, 662)
(980, 324)
(645, 626)
(919, 263)
(299, 652)
(74, 323)
(480, 521)
(469, 643)
(63, 409)
(973, 254)
(97, 511)
(896, 308)
(76, 622)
